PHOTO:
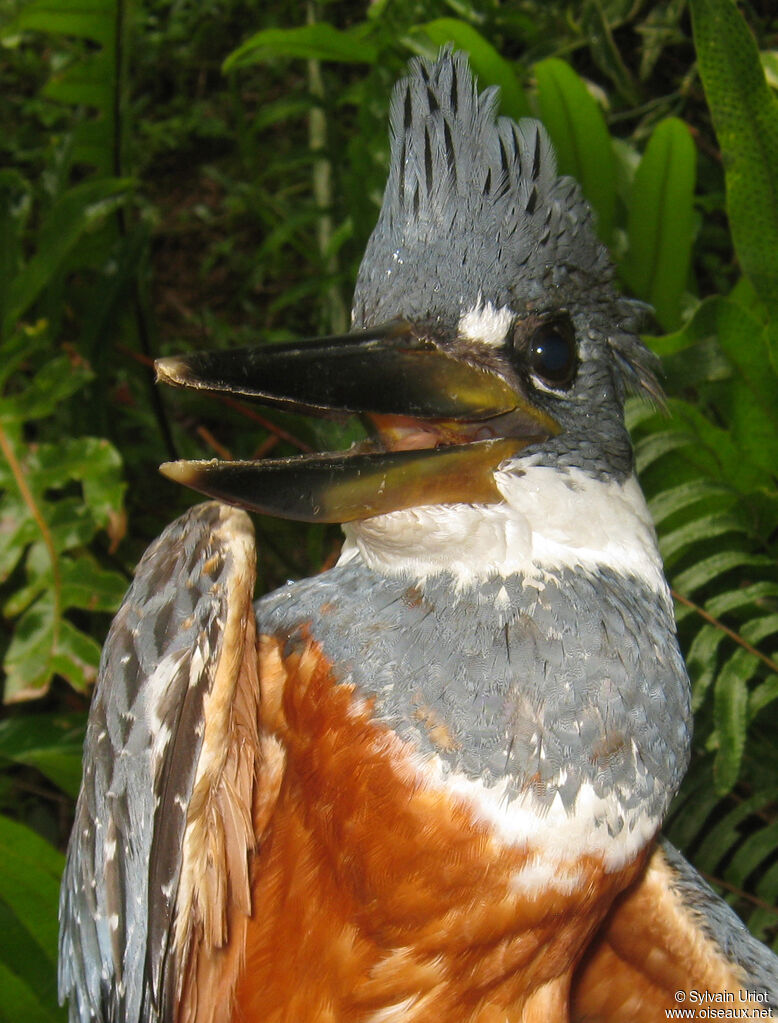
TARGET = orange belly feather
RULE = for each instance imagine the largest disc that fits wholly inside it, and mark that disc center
(377, 898)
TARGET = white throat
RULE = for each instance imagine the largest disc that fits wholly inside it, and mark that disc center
(549, 519)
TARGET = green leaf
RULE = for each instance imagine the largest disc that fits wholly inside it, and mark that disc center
(95, 79)
(19, 1000)
(74, 213)
(19, 601)
(692, 806)
(701, 661)
(70, 523)
(29, 894)
(88, 587)
(43, 644)
(28, 662)
(76, 656)
(758, 629)
(658, 30)
(684, 496)
(285, 109)
(754, 393)
(86, 82)
(87, 19)
(713, 450)
(597, 29)
(725, 833)
(90, 82)
(745, 116)
(763, 695)
(661, 220)
(767, 889)
(29, 882)
(490, 67)
(22, 349)
(698, 328)
(59, 573)
(51, 743)
(93, 461)
(730, 711)
(308, 42)
(650, 449)
(705, 571)
(15, 204)
(743, 596)
(580, 136)
(677, 542)
(769, 61)
(56, 380)
(17, 532)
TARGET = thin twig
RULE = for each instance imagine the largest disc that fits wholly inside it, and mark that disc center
(740, 893)
(265, 447)
(771, 664)
(59, 798)
(205, 434)
(279, 431)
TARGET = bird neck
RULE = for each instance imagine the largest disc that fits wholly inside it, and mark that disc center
(550, 519)
(543, 683)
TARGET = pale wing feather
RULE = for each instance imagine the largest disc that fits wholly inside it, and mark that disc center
(164, 700)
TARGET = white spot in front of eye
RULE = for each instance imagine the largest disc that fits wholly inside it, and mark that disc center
(486, 323)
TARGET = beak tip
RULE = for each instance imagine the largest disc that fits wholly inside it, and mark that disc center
(173, 369)
(186, 473)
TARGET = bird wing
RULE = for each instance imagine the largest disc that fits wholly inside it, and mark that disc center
(667, 942)
(156, 891)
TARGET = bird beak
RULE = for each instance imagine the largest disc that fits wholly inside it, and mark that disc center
(443, 424)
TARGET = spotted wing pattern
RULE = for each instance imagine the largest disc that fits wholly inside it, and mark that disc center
(154, 776)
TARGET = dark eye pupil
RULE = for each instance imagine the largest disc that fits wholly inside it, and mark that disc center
(552, 355)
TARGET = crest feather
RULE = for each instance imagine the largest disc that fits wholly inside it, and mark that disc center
(474, 211)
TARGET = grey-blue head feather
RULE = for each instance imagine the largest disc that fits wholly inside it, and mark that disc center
(473, 201)
(475, 212)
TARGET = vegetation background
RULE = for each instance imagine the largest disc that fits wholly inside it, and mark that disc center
(179, 174)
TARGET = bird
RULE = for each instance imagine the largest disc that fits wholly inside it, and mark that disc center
(427, 784)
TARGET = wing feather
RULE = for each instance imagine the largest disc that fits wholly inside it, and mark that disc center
(164, 700)
(670, 933)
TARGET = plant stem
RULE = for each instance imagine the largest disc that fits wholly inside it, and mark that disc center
(29, 499)
(771, 664)
(322, 188)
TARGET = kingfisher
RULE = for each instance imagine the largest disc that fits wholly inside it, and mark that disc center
(425, 785)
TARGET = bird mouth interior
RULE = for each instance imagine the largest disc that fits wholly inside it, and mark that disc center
(441, 426)
(402, 433)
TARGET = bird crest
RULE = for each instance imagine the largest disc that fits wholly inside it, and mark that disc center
(475, 212)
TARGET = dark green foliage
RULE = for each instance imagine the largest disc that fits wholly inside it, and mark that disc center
(580, 136)
(182, 175)
(745, 116)
(660, 224)
(29, 885)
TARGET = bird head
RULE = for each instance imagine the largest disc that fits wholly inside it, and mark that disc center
(487, 334)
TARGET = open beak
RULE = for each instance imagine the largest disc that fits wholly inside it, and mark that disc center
(443, 424)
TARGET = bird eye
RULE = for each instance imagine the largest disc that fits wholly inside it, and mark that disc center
(551, 354)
